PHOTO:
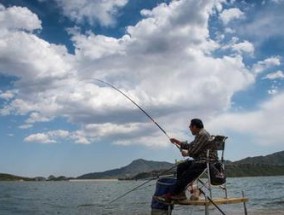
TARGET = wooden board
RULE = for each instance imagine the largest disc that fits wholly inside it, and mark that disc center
(217, 201)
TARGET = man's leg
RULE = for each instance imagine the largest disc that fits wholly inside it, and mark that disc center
(188, 176)
(182, 167)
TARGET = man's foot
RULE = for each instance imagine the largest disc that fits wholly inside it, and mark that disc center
(169, 197)
(163, 198)
(180, 196)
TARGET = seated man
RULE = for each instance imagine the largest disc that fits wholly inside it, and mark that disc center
(189, 170)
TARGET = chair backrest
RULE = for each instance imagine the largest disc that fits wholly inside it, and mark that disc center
(216, 171)
(218, 142)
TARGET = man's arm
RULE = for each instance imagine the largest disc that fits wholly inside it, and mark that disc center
(197, 146)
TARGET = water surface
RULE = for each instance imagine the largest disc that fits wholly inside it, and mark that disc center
(92, 197)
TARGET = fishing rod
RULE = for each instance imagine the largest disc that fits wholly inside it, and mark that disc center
(135, 188)
(106, 83)
(140, 185)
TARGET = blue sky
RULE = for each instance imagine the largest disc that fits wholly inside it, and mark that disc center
(221, 61)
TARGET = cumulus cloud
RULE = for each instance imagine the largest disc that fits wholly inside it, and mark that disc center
(39, 138)
(274, 75)
(263, 23)
(18, 18)
(102, 12)
(261, 66)
(237, 47)
(244, 47)
(165, 62)
(228, 15)
(156, 71)
(49, 137)
(251, 123)
(7, 95)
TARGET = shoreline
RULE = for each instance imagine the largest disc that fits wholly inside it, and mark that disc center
(90, 180)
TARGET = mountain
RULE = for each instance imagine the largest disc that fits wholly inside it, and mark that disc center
(9, 177)
(275, 159)
(135, 167)
(268, 165)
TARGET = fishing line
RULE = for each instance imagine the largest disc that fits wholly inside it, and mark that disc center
(115, 88)
(106, 83)
(135, 188)
(140, 185)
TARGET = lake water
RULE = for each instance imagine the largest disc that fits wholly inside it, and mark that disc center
(266, 196)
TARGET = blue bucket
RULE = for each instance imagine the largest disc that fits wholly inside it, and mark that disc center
(163, 186)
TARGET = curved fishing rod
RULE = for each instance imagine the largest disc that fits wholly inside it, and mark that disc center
(135, 188)
(136, 106)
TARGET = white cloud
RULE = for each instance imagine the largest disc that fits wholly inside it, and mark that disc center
(165, 63)
(238, 47)
(100, 11)
(228, 15)
(243, 47)
(48, 137)
(274, 75)
(102, 46)
(7, 95)
(39, 138)
(36, 117)
(272, 91)
(15, 18)
(142, 65)
(265, 24)
(263, 125)
(261, 66)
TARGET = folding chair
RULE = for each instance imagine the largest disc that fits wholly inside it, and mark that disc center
(213, 177)
(214, 174)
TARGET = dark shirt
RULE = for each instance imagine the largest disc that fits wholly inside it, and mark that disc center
(197, 149)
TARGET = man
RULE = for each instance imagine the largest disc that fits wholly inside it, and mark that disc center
(189, 170)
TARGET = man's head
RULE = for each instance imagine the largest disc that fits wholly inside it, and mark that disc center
(195, 126)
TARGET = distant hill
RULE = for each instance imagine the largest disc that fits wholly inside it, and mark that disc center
(8, 177)
(129, 171)
(268, 165)
(275, 159)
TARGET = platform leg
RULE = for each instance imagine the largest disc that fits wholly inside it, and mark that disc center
(169, 210)
(245, 206)
(206, 206)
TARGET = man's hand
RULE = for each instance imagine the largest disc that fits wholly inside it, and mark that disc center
(184, 153)
(175, 141)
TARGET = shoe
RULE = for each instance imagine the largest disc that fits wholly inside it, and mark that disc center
(180, 196)
(163, 198)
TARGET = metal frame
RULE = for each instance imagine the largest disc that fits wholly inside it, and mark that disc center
(219, 144)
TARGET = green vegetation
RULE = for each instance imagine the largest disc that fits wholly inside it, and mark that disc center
(270, 165)
(8, 177)
(242, 170)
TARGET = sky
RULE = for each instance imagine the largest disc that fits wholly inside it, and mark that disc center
(217, 60)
